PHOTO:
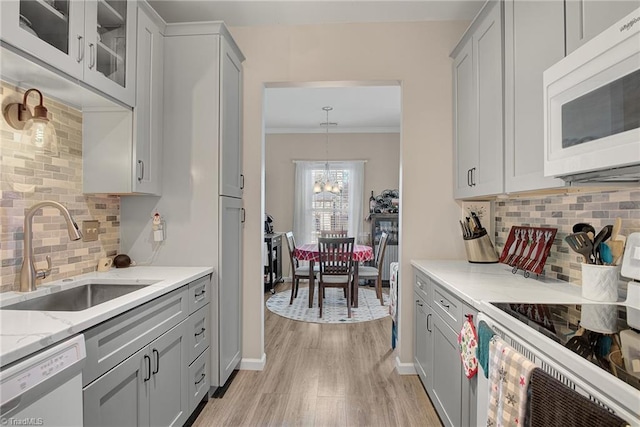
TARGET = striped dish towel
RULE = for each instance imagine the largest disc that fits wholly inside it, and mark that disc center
(509, 374)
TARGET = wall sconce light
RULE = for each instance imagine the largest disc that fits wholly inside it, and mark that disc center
(36, 128)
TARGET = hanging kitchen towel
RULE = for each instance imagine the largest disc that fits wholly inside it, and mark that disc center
(468, 341)
(553, 404)
(485, 333)
(509, 374)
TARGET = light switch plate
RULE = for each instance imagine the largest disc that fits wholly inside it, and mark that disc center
(90, 230)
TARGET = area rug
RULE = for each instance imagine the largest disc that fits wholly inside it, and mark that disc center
(334, 308)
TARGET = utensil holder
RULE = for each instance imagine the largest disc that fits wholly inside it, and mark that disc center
(600, 282)
(480, 250)
(601, 318)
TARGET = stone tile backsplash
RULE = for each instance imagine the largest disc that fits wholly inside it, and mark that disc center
(561, 212)
(27, 178)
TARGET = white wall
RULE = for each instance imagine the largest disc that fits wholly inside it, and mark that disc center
(417, 54)
(381, 170)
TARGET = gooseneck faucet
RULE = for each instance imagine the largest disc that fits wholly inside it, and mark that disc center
(28, 274)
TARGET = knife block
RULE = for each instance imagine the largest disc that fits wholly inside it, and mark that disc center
(480, 250)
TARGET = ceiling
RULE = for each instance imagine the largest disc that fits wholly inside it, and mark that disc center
(356, 108)
(245, 12)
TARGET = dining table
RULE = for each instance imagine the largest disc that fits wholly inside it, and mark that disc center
(310, 252)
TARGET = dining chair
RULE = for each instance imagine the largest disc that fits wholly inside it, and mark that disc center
(375, 273)
(333, 233)
(297, 271)
(336, 267)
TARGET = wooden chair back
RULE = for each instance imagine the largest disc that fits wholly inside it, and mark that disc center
(382, 247)
(336, 256)
(291, 245)
(333, 233)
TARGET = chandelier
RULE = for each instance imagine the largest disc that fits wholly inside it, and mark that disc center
(326, 185)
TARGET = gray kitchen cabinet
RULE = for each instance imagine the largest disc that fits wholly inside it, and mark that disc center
(202, 119)
(91, 41)
(586, 19)
(122, 148)
(229, 325)
(527, 53)
(148, 388)
(139, 364)
(447, 377)
(438, 319)
(423, 341)
(231, 177)
(478, 106)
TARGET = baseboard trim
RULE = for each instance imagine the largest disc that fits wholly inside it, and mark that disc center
(253, 364)
(405, 368)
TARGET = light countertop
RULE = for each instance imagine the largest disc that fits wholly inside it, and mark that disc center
(23, 332)
(476, 283)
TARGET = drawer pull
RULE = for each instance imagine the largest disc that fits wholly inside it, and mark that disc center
(201, 332)
(420, 285)
(418, 302)
(200, 294)
(444, 305)
(202, 376)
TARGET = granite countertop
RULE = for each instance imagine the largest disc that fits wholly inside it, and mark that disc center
(23, 332)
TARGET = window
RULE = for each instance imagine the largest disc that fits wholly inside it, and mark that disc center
(330, 211)
(314, 212)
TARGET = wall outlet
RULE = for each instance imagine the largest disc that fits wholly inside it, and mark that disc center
(90, 230)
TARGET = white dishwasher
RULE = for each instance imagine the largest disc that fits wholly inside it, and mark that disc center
(45, 388)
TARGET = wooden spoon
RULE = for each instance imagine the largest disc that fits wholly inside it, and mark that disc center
(617, 249)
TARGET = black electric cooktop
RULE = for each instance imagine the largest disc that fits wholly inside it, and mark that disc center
(590, 330)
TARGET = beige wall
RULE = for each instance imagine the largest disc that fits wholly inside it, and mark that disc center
(417, 55)
(27, 178)
(381, 170)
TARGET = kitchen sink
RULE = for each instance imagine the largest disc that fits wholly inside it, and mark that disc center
(76, 299)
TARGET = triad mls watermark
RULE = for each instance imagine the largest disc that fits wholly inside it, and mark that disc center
(22, 421)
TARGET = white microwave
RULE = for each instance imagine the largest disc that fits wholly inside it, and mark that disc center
(592, 108)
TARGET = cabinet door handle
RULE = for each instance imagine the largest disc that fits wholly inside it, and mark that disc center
(468, 177)
(473, 177)
(428, 317)
(242, 178)
(140, 170)
(201, 332)
(157, 355)
(148, 360)
(92, 55)
(244, 215)
(444, 305)
(80, 49)
(201, 379)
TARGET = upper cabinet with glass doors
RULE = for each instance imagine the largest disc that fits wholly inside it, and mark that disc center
(91, 40)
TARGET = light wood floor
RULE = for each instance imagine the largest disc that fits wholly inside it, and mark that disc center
(323, 375)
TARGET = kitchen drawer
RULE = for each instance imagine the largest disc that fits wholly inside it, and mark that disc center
(423, 286)
(448, 307)
(110, 342)
(199, 293)
(198, 379)
(198, 332)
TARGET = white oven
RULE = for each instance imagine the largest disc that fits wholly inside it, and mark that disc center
(592, 108)
(570, 369)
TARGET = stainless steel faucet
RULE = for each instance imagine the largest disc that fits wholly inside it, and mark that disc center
(29, 274)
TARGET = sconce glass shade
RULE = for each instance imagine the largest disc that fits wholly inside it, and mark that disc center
(41, 134)
(37, 129)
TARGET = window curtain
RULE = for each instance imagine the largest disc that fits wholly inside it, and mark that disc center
(303, 198)
(302, 202)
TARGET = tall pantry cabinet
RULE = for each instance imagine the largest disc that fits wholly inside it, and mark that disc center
(201, 202)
